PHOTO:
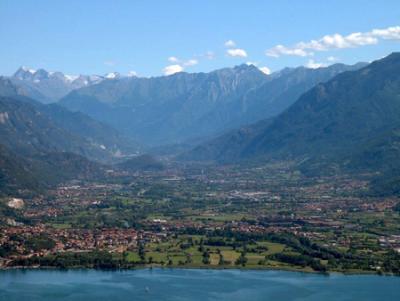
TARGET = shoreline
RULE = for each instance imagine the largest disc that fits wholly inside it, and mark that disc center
(244, 269)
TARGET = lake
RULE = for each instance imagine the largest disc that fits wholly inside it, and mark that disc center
(186, 284)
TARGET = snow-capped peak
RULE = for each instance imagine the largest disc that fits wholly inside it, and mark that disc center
(70, 78)
(26, 69)
(112, 75)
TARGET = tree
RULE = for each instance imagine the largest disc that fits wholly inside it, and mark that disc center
(206, 257)
(242, 260)
(142, 252)
(221, 259)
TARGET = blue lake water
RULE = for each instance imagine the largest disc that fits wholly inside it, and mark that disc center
(182, 284)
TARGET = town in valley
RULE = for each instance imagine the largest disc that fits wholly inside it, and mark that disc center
(206, 216)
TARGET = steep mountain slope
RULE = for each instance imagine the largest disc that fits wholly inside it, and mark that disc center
(96, 133)
(286, 87)
(381, 153)
(14, 173)
(26, 131)
(35, 153)
(347, 119)
(104, 141)
(43, 145)
(27, 175)
(336, 116)
(181, 107)
(9, 88)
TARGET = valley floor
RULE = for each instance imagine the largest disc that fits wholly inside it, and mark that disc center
(197, 216)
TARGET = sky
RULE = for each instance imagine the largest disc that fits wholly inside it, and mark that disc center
(152, 38)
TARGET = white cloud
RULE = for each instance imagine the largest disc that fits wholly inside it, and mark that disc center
(230, 44)
(191, 62)
(173, 59)
(182, 63)
(359, 39)
(132, 73)
(336, 41)
(390, 33)
(265, 70)
(314, 65)
(234, 52)
(171, 69)
(332, 59)
(237, 52)
(279, 50)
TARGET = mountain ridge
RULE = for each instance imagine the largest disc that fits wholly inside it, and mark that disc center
(184, 106)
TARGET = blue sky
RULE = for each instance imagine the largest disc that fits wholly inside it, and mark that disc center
(156, 37)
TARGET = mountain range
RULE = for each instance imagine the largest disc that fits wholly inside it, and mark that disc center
(48, 87)
(352, 120)
(188, 107)
(334, 118)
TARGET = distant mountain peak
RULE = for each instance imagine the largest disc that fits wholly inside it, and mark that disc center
(49, 86)
(24, 73)
(246, 68)
(27, 69)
